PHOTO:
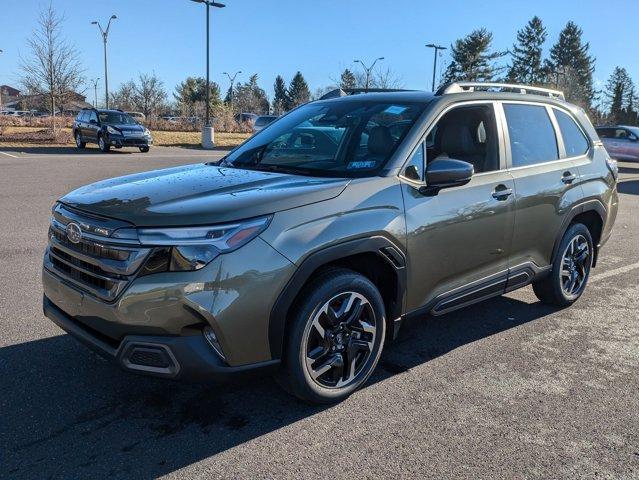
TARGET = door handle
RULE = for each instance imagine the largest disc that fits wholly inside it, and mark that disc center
(568, 177)
(502, 192)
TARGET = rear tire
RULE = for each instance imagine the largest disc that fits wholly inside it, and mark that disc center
(571, 267)
(335, 338)
(78, 141)
(144, 149)
(103, 145)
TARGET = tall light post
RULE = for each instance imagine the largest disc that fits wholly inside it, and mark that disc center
(232, 80)
(437, 48)
(105, 36)
(368, 70)
(208, 139)
(94, 82)
(1, 51)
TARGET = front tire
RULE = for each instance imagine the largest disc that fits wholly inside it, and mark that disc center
(103, 145)
(78, 141)
(336, 338)
(570, 268)
(144, 149)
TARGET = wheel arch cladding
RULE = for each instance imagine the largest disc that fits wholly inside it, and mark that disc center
(377, 258)
(592, 214)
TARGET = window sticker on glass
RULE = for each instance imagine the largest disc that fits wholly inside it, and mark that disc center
(395, 110)
(361, 164)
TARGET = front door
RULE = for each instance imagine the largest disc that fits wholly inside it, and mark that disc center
(458, 240)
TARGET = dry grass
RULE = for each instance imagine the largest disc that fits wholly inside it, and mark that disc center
(19, 136)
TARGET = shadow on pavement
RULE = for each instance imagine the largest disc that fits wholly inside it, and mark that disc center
(66, 413)
(631, 170)
(629, 187)
(58, 150)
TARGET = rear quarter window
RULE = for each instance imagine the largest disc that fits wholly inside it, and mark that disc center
(575, 141)
(532, 136)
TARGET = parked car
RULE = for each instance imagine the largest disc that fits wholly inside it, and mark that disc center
(110, 128)
(245, 117)
(262, 121)
(139, 116)
(621, 142)
(306, 247)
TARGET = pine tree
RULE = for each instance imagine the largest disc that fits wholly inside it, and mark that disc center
(621, 97)
(527, 66)
(280, 99)
(249, 97)
(572, 66)
(472, 59)
(298, 92)
(347, 80)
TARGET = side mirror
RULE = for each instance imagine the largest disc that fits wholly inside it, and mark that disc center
(445, 173)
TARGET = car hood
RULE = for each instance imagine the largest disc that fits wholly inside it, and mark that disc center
(127, 127)
(199, 194)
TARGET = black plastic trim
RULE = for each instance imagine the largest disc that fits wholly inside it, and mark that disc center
(392, 255)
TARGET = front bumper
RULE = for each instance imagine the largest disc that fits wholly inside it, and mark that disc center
(180, 357)
(122, 141)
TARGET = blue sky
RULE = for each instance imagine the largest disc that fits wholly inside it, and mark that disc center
(318, 37)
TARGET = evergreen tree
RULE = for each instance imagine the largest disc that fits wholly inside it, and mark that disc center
(527, 66)
(472, 59)
(192, 91)
(572, 66)
(347, 80)
(620, 94)
(280, 99)
(249, 97)
(298, 92)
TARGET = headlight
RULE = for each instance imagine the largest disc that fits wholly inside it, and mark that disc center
(147, 132)
(112, 130)
(191, 248)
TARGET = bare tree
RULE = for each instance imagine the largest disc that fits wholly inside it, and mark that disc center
(149, 94)
(53, 67)
(124, 97)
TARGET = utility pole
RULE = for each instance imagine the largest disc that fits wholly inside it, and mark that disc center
(95, 91)
(232, 80)
(368, 70)
(1, 51)
(105, 36)
(208, 139)
(437, 48)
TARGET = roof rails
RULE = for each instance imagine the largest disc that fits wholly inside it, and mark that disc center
(459, 87)
(343, 92)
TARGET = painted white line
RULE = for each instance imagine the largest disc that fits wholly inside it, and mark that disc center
(9, 155)
(615, 271)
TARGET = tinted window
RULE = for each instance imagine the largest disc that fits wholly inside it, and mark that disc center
(574, 140)
(532, 136)
(605, 132)
(92, 116)
(116, 118)
(466, 133)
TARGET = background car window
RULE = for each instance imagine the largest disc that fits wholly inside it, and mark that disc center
(414, 169)
(92, 116)
(532, 136)
(605, 132)
(575, 141)
(466, 133)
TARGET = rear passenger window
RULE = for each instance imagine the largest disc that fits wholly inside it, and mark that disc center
(532, 136)
(574, 140)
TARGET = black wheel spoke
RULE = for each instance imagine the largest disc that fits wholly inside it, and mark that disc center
(575, 265)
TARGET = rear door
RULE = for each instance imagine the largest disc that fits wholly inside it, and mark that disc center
(546, 176)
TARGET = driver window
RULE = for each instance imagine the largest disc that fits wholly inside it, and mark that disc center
(466, 133)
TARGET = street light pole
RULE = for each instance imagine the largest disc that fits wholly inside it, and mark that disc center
(95, 91)
(105, 36)
(232, 80)
(368, 70)
(207, 131)
(437, 48)
(1, 51)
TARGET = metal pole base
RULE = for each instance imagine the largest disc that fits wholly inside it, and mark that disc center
(208, 137)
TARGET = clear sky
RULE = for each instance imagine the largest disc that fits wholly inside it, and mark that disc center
(318, 37)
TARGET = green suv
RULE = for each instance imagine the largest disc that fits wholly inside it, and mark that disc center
(301, 252)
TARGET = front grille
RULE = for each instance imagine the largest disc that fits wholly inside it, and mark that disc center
(133, 141)
(101, 267)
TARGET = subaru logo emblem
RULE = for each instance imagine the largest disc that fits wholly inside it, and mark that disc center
(74, 232)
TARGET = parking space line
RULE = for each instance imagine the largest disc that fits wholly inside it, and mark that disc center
(9, 155)
(616, 271)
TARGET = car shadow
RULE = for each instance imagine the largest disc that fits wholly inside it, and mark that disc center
(631, 170)
(66, 413)
(629, 187)
(62, 150)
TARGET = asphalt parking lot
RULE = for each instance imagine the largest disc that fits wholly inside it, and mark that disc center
(505, 389)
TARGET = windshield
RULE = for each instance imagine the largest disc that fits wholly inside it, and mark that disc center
(337, 139)
(634, 130)
(117, 118)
